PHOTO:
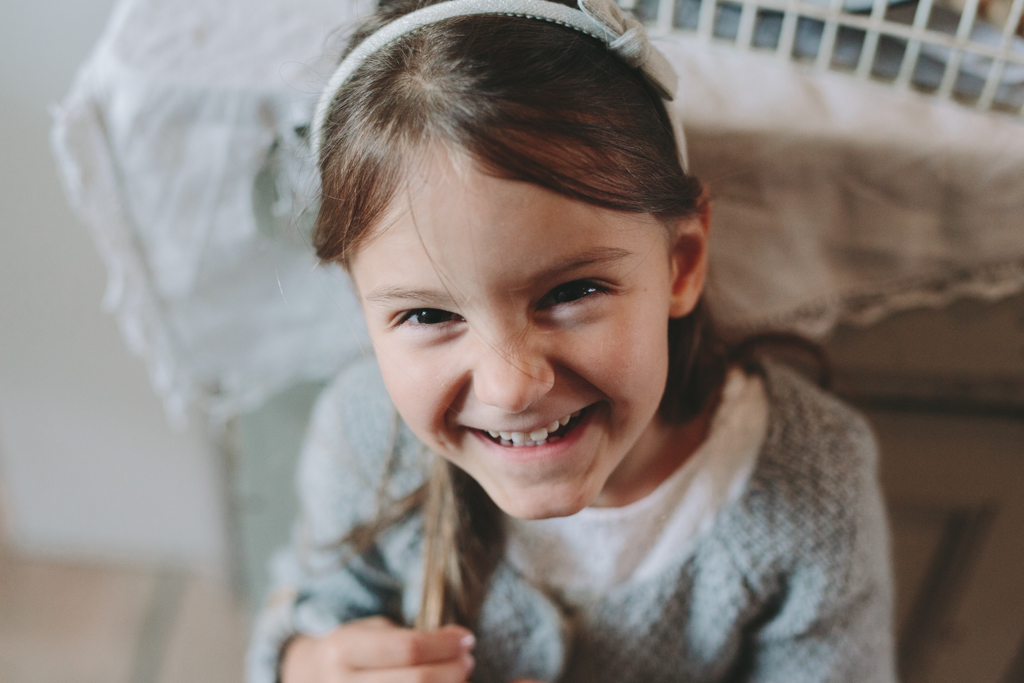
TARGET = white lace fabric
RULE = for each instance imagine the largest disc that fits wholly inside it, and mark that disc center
(180, 145)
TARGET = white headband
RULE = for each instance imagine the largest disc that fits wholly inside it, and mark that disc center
(602, 19)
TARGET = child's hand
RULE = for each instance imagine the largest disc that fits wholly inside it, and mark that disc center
(374, 650)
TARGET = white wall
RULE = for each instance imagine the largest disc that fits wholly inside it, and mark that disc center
(88, 464)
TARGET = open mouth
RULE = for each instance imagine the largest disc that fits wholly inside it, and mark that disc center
(538, 437)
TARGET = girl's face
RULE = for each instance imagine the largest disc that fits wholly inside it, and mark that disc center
(522, 335)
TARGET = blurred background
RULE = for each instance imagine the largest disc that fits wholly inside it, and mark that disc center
(142, 490)
(113, 554)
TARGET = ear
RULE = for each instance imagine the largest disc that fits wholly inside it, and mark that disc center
(689, 262)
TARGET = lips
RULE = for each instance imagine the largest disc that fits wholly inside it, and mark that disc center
(538, 437)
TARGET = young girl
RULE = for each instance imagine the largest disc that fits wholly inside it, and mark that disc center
(552, 469)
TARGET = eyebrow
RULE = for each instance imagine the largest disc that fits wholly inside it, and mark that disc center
(429, 298)
(594, 257)
(425, 297)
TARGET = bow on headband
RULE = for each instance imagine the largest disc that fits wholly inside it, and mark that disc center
(627, 38)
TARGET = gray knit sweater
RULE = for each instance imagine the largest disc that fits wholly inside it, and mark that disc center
(791, 584)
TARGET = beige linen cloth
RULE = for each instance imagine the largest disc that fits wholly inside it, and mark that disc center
(182, 146)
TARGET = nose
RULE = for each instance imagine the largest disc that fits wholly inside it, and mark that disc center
(512, 379)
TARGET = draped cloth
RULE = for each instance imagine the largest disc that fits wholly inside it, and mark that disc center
(183, 145)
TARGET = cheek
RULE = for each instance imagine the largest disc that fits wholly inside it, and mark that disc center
(629, 358)
(418, 388)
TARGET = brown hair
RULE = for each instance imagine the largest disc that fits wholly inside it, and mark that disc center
(526, 100)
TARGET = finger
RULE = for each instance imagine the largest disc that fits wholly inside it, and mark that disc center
(375, 622)
(456, 671)
(377, 648)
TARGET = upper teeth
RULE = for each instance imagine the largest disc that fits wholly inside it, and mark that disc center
(537, 436)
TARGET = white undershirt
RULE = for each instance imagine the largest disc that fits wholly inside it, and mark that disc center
(581, 556)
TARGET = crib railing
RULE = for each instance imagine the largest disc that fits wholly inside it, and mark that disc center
(962, 54)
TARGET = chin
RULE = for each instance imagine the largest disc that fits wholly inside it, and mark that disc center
(543, 504)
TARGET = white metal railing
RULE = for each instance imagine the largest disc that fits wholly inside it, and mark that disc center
(923, 44)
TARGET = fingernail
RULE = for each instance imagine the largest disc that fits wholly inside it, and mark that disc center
(468, 641)
(468, 661)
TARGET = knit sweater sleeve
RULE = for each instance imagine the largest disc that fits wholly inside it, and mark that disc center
(822, 560)
(316, 583)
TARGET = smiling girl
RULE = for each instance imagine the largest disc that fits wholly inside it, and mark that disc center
(551, 467)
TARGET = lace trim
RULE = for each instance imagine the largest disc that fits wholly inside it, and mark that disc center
(817, 317)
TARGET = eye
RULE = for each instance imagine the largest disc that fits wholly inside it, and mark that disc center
(569, 292)
(429, 316)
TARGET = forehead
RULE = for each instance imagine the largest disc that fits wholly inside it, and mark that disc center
(454, 223)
